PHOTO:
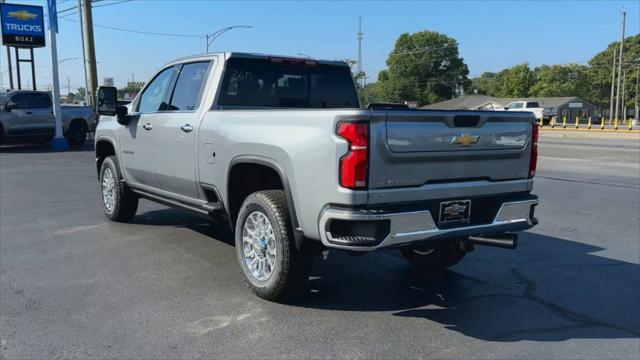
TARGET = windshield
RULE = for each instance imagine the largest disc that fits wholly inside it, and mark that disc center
(265, 83)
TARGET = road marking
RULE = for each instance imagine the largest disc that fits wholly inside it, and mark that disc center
(76, 229)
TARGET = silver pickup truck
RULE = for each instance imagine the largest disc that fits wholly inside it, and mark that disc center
(282, 149)
(27, 116)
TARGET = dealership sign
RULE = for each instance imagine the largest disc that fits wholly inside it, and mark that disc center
(22, 25)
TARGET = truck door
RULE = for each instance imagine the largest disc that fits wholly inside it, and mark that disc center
(17, 119)
(42, 114)
(30, 115)
(136, 140)
(174, 132)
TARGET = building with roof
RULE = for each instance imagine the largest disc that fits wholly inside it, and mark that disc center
(569, 106)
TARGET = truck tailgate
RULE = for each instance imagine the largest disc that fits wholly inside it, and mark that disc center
(411, 148)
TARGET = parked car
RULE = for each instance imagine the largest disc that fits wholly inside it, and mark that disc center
(27, 116)
(282, 149)
(541, 114)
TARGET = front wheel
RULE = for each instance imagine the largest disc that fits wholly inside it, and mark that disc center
(434, 257)
(118, 202)
(273, 268)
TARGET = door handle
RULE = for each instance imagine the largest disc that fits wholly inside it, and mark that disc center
(29, 113)
(186, 128)
(147, 126)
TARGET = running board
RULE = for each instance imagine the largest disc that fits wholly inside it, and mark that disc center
(171, 203)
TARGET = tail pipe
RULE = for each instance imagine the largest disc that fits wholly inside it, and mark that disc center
(506, 240)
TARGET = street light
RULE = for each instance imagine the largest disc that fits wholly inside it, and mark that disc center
(210, 38)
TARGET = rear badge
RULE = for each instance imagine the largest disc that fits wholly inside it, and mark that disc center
(455, 211)
(465, 139)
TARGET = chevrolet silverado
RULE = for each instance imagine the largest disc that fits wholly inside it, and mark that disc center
(281, 148)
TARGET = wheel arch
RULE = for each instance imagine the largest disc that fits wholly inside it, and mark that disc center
(104, 148)
(233, 204)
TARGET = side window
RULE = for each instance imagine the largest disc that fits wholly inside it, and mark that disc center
(40, 101)
(516, 106)
(152, 99)
(20, 101)
(189, 86)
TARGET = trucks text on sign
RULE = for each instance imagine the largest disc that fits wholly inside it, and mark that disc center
(22, 25)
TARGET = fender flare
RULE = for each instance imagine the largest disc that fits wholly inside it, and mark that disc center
(115, 150)
(274, 165)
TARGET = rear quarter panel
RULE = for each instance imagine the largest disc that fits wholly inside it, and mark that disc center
(300, 142)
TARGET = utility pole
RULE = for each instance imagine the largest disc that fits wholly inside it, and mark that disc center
(360, 37)
(84, 58)
(637, 106)
(613, 86)
(68, 87)
(623, 107)
(92, 74)
(624, 18)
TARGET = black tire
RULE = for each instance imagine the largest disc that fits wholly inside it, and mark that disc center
(125, 202)
(77, 133)
(437, 256)
(292, 267)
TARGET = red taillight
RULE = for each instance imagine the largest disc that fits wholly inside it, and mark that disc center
(354, 165)
(533, 164)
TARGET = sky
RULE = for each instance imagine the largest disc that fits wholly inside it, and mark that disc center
(492, 35)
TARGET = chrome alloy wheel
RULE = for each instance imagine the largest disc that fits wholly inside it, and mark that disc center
(259, 246)
(108, 190)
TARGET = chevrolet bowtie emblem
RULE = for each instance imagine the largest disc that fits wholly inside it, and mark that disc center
(22, 15)
(465, 139)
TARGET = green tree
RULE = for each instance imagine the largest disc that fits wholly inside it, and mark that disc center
(132, 89)
(600, 71)
(561, 80)
(515, 81)
(485, 84)
(358, 77)
(424, 66)
(80, 93)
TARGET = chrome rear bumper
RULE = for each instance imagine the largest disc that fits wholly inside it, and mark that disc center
(413, 226)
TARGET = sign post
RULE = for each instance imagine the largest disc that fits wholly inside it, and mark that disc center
(59, 142)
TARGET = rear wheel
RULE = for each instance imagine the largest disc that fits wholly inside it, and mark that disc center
(77, 133)
(118, 202)
(273, 268)
(436, 256)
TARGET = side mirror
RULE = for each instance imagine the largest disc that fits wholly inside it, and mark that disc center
(122, 116)
(107, 101)
(9, 106)
(506, 108)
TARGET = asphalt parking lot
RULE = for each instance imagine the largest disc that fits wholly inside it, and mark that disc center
(73, 285)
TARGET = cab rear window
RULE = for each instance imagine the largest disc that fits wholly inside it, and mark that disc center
(265, 83)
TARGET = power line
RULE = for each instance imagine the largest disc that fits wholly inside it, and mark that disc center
(75, 8)
(141, 32)
(113, 3)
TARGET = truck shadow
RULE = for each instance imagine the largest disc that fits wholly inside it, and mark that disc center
(549, 289)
